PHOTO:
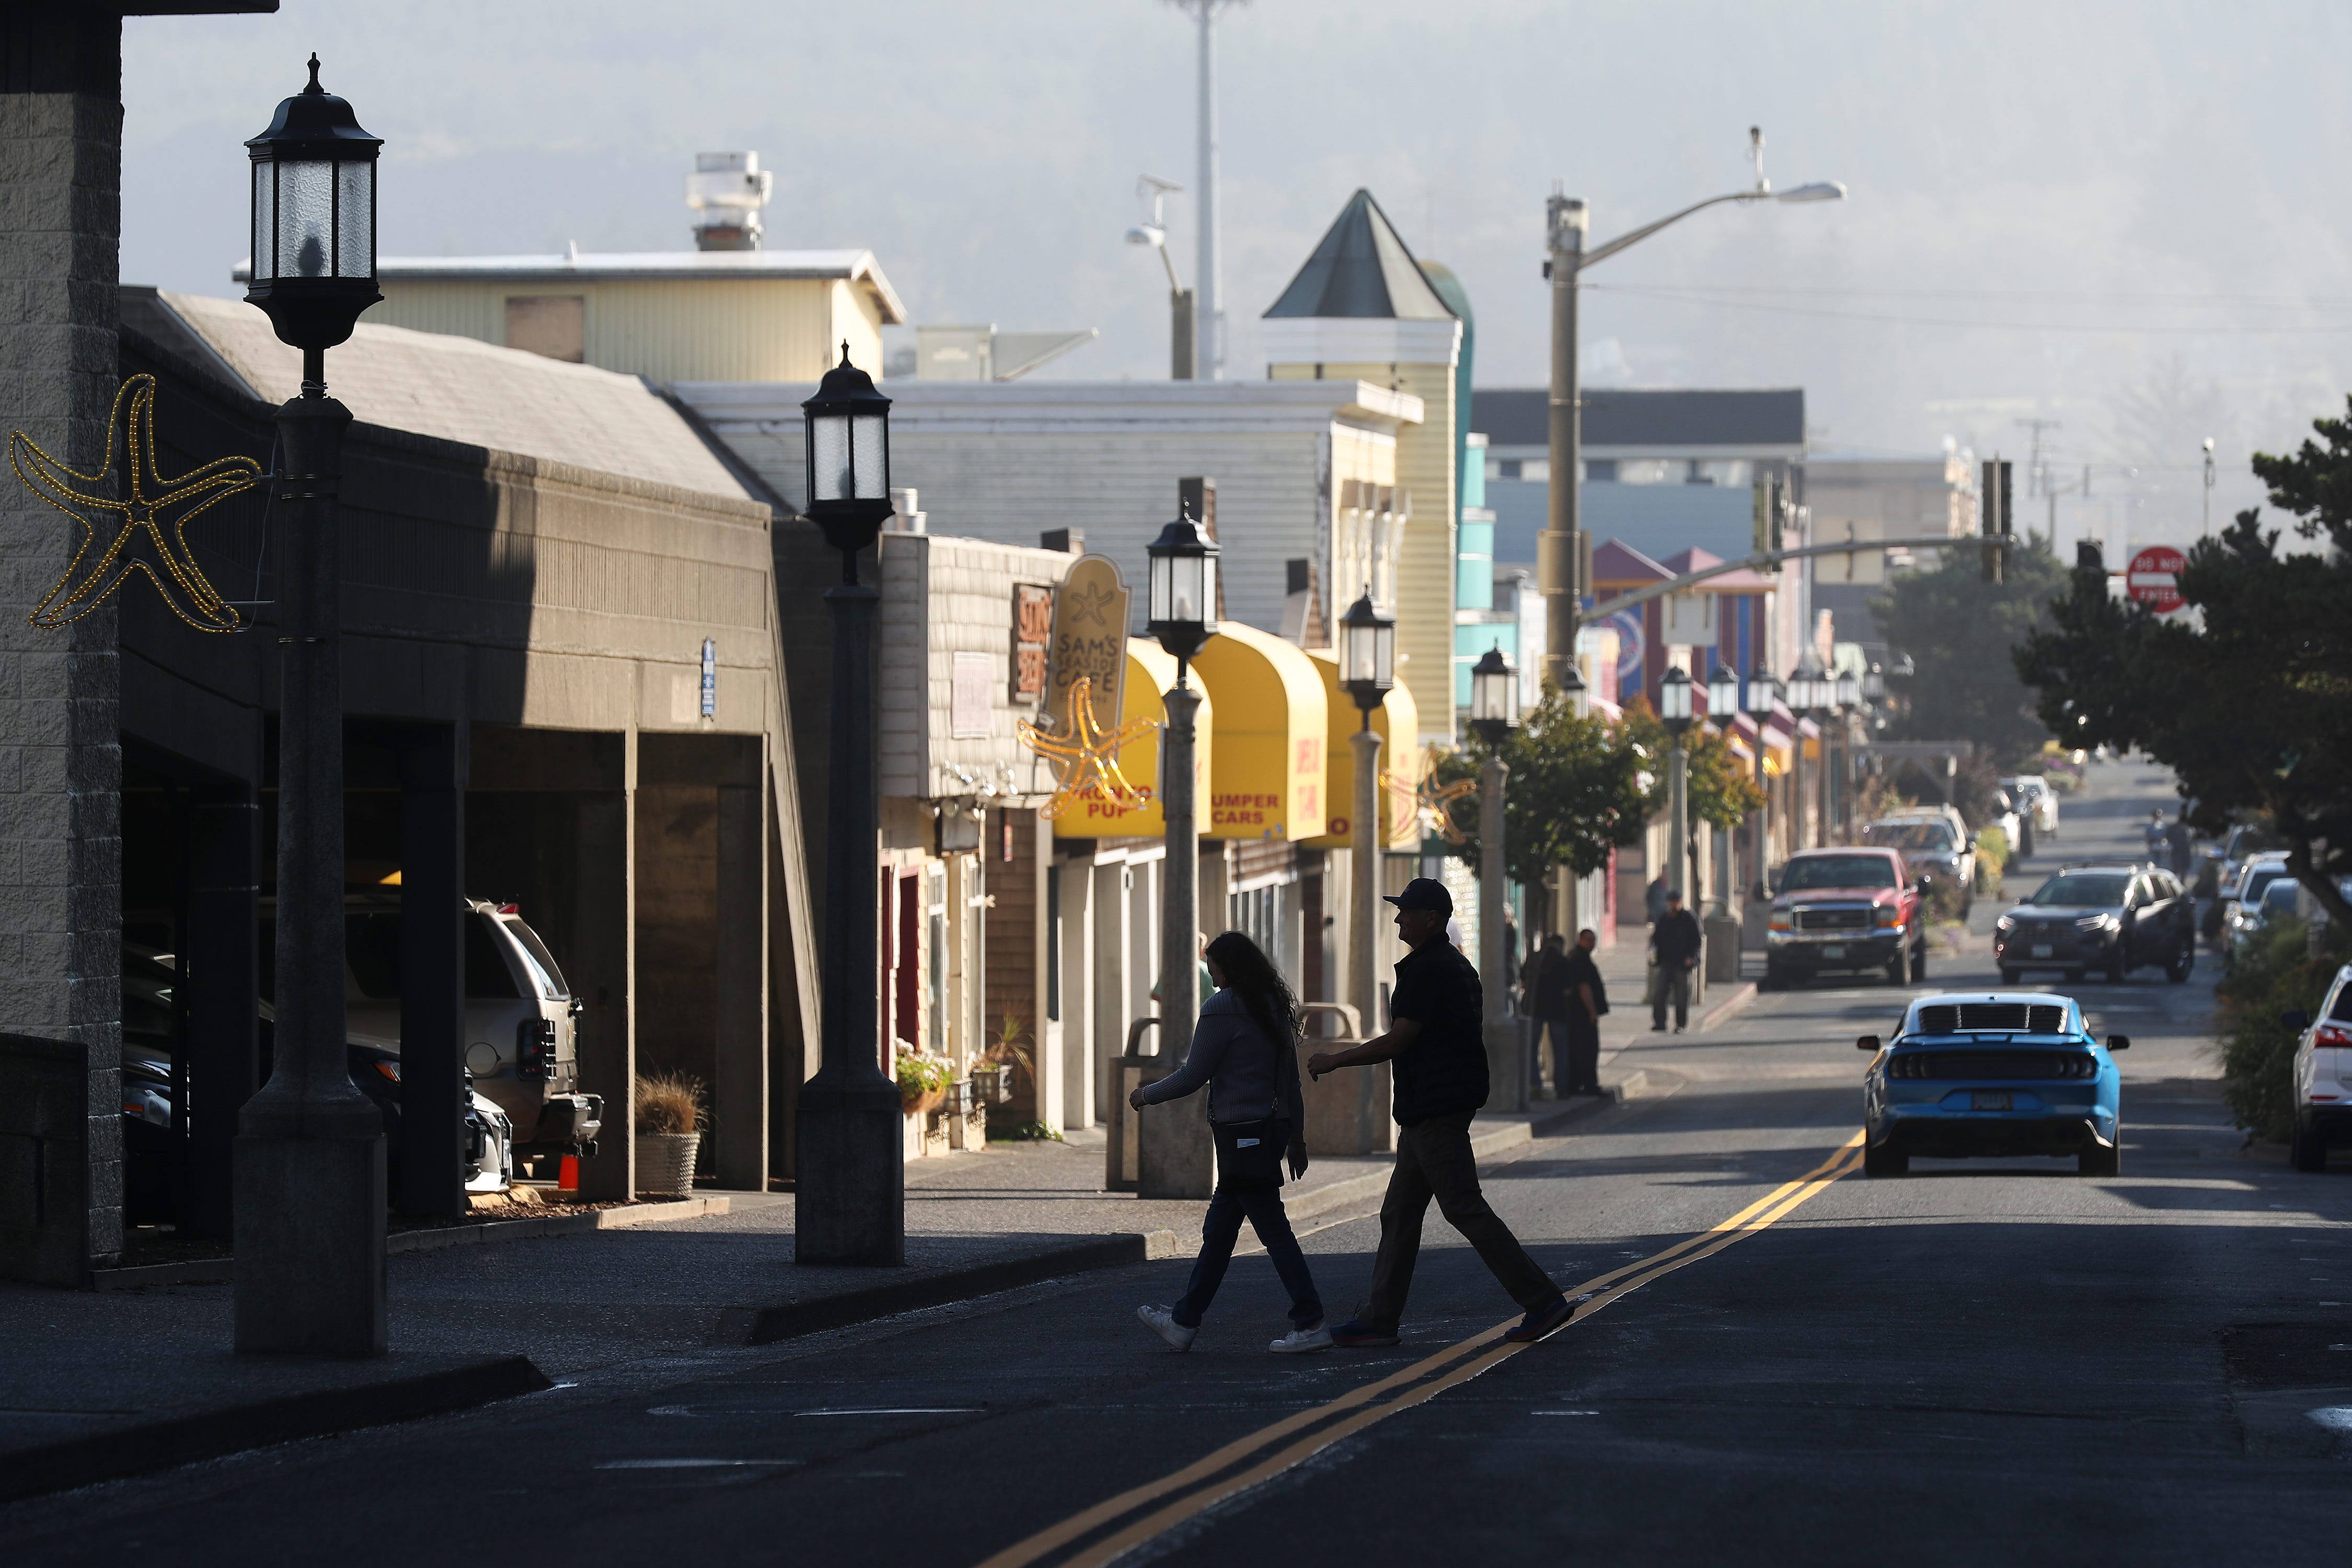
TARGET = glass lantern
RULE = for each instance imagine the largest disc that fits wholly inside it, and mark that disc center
(1674, 699)
(1494, 696)
(1183, 594)
(849, 427)
(312, 223)
(1367, 655)
(1762, 694)
(1848, 689)
(1723, 694)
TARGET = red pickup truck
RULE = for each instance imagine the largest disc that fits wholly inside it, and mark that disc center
(1845, 910)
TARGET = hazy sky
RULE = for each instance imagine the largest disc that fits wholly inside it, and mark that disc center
(2123, 214)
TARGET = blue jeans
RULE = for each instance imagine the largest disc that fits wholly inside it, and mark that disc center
(1222, 1228)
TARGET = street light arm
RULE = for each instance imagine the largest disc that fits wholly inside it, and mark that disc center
(1604, 251)
(1770, 558)
(1168, 262)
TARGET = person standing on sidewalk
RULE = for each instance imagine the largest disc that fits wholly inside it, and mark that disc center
(1547, 1004)
(1436, 1041)
(1245, 1048)
(1587, 1001)
(1676, 943)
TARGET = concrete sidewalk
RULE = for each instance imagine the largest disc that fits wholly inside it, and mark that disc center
(99, 1385)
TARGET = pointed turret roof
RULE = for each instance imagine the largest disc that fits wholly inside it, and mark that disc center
(1361, 269)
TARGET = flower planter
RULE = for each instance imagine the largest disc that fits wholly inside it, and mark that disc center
(921, 1102)
(666, 1163)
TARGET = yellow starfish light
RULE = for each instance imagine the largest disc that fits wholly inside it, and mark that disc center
(143, 531)
(1088, 756)
(1428, 803)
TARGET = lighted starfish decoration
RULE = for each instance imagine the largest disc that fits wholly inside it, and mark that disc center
(1088, 756)
(143, 531)
(1430, 803)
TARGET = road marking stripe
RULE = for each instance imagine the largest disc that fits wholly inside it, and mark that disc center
(1764, 1212)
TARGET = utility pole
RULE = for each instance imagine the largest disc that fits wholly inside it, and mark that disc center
(1558, 547)
(2208, 527)
(1209, 312)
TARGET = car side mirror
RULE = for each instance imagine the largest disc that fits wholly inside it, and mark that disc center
(1868, 1042)
(2295, 1018)
(2118, 1042)
(1972, 841)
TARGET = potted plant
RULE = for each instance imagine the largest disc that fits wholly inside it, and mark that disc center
(669, 1119)
(922, 1082)
(992, 1076)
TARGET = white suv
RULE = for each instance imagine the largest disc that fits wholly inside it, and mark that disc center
(2323, 1076)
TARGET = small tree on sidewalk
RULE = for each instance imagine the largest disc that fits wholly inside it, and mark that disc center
(1575, 792)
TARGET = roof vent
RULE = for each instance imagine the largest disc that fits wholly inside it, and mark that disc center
(727, 191)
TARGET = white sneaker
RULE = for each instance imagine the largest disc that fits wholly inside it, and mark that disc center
(1299, 1341)
(1162, 1321)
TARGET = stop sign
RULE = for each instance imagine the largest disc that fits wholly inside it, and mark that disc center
(2154, 578)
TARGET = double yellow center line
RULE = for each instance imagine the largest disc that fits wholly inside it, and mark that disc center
(1247, 1462)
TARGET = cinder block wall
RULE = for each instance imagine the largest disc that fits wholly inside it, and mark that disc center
(60, 755)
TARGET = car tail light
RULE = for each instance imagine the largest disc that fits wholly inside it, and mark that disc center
(534, 1047)
(2332, 1034)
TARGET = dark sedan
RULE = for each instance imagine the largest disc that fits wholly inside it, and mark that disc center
(2112, 919)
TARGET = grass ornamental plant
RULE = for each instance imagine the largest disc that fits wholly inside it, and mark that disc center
(2275, 975)
(670, 1104)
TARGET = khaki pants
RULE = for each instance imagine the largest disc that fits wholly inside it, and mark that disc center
(1434, 1159)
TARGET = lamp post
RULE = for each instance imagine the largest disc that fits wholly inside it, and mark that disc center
(1567, 912)
(1558, 548)
(1174, 1159)
(1758, 695)
(1674, 708)
(1846, 694)
(309, 1173)
(1368, 669)
(852, 1167)
(1722, 702)
(1494, 714)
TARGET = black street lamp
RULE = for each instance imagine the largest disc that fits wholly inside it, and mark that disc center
(1494, 696)
(851, 1164)
(1368, 673)
(309, 1174)
(1674, 701)
(1174, 1158)
(1723, 695)
(1757, 698)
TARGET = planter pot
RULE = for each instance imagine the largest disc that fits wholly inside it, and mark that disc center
(994, 1085)
(666, 1163)
(922, 1102)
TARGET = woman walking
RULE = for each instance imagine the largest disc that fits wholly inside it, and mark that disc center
(1246, 1049)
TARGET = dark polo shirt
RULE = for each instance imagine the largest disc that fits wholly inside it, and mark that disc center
(1445, 1069)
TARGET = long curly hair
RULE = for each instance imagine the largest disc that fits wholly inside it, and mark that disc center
(1250, 975)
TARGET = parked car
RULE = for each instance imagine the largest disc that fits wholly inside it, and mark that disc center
(520, 1016)
(2112, 918)
(1993, 1073)
(2036, 800)
(1937, 848)
(150, 1152)
(2258, 871)
(1845, 910)
(2322, 1076)
(2250, 918)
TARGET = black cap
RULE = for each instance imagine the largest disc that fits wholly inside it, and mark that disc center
(1424, 893)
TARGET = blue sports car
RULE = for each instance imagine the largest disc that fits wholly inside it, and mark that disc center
(1992, 1072)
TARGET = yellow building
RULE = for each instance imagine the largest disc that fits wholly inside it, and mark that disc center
(692, 315)
(1362, 309)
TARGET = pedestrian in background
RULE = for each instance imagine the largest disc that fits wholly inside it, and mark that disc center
(1675, 945)
(1436, 1040)
(1588, 1002)
(1245, 1048)
(1544, 997)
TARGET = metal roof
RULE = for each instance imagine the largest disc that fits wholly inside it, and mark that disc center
(1650, 417)
(1361, 269)
(475, 394)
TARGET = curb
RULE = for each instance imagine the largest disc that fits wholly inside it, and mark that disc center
(766, 1325)
(1730, 1007)
(220, 1271)
(215, 1433)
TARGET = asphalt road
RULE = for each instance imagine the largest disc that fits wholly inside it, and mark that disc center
(1984, 1362)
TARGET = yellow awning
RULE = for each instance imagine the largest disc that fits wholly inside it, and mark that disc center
(1149, 672)
(1269, 777)
(1395, 716)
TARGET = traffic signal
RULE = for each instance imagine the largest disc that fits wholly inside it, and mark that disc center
(1994, 516)
(2087, 557)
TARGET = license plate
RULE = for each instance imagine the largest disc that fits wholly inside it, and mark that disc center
(2041, 950)
(1984, 1100)
(1833, 950)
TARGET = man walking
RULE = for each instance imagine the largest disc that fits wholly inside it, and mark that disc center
(1588, 999)
(1674, 944)
(1436, 1040)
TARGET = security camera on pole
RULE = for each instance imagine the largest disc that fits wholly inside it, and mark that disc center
(1368, 670)
(1494, 714)
(308, 1169)
(1174, 1157)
